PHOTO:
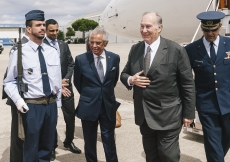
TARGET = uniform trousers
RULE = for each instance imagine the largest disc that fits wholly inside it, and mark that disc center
(216, 129)
(160, 145)
(107, 135)
(40, 125)
(68, 109)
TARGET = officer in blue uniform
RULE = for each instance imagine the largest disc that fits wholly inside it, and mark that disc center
(42, 73)
(210, 59)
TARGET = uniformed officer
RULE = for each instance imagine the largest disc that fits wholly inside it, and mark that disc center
(16, 149)
(210, 60)
(42, 73)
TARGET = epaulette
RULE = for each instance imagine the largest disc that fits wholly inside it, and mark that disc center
(15, 47)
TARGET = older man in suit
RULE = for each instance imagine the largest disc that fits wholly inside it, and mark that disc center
(163, 90)
(67, 66)
(95, 76)
(210, 59)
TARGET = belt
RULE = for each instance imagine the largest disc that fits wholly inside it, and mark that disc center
(46, 100)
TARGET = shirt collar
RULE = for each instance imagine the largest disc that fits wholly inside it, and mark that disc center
(34, 46)
(50, 41)
(216, 42)
(152, 45)
(26, 37)
(102, 55)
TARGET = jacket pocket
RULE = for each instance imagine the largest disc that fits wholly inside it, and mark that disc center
(169, 103)
(85, 99)
(30, 70)
(53, 67)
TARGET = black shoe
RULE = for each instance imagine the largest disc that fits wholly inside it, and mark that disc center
(72, 148)
(53, 156)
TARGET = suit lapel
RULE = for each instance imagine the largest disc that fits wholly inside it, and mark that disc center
(90, 58)
(202, 51)
(108, 64)
(46, 41)
(160, 54)
(61, 49)
(140, 55)
(221, 48)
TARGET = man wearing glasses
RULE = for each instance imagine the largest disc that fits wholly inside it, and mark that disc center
(95, 76)
(210, 60)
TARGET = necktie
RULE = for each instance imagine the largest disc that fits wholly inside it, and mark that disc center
(45, 77)
(212, 52)
(100, 70)
(54, 44)
(147, 60)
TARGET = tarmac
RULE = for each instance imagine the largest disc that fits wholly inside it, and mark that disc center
(128, 137)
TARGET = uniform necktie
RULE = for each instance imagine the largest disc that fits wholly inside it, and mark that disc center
(45, 77)
(147, 60)
(100, 70)
(212, 52)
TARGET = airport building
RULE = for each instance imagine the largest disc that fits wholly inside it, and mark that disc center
(11, 31)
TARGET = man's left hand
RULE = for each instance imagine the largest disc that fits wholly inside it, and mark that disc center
(65, 91)
(187, 122)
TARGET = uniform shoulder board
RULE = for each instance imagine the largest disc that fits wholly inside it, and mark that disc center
(15, 47)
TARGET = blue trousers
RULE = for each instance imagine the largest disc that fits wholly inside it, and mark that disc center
(107, 135)
(40, 125)
(216, 130)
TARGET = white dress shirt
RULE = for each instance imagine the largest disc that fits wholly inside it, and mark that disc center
(30, 62)
(103, 61)
(215, 44)
(154, 47)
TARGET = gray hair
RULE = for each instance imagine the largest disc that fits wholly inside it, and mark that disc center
(159, 18)
(100, 30)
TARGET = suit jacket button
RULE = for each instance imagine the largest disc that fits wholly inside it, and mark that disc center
(216, 89)
(214, 73)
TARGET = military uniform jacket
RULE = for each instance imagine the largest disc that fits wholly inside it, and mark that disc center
(212, 80)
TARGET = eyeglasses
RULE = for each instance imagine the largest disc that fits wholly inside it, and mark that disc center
(206, 30)
(97, 43)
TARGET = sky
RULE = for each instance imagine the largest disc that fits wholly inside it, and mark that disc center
(64, 11)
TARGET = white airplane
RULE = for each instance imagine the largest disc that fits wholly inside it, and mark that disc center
(122, 17)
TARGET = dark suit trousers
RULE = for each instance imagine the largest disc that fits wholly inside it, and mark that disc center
(16, 149)
(107, 135)
(68, 110)
(216, 130)
(40, 125)
(160, 145)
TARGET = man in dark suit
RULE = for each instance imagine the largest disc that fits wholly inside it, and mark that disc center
(95, 76)
(67, 66)
(210, 59)
(163, 90)
(16, 149)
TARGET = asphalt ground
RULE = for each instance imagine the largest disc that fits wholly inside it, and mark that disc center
(128, 138)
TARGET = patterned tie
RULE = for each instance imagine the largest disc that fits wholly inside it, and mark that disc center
(45, 77)
(54, 44)
(212, 52)
(100, 70)
(147, 60)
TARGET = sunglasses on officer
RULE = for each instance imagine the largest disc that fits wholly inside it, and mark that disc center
(207, 30)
